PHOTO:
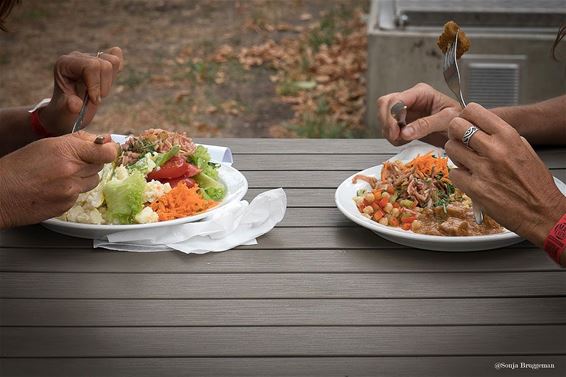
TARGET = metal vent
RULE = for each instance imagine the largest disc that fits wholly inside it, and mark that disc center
(493, 84)
(493, 80)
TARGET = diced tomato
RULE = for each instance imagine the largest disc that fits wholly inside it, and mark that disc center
(383, 202)
(406, 226)
(377, 194)
(393, 221)
(378, 215)
(375, 206)
(175, 181)
(396, 205)
(174, 168)
(408, 220)
(390, 189)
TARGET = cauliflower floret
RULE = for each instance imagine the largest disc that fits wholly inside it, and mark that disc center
(120, 173)
(80, 214)
(154, 190)
(146, 215)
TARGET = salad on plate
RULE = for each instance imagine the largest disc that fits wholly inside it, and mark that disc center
(158, 176)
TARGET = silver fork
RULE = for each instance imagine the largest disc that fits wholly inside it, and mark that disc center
(452, 77)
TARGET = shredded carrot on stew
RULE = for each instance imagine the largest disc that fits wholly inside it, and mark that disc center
(429, 165)
(181, 201)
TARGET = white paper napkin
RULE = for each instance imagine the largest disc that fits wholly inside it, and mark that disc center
(237, 223)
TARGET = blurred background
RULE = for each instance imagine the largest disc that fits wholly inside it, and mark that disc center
(279, 68)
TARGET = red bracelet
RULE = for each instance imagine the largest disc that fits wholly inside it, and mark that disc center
(555, 242)
(36, 125)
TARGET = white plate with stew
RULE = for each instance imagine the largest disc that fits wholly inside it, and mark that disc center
(345, 203)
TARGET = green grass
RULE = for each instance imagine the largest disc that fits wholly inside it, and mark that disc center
(203, 71)
(319, 124)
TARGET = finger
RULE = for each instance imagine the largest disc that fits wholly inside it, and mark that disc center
(484, 119)
(106, 76)
(77, 67)
(427, 125)
(479, 142)
(117, 52)
(463, 180)
(88, 183)
(388, 124)
(463, 155)
(115, 61)
(90, 152)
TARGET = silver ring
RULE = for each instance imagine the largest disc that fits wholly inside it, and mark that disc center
(99, 53)
(468, 135)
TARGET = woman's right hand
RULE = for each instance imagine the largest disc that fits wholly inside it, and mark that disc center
(428, 114)
(44, 178)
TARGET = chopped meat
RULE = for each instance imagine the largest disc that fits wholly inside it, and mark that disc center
(456, 211)
(447, 38)
(454, 227)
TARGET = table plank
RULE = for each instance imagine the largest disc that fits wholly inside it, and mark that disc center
(282, 341)
(302, 198)
(553, 159)
(237, 261)
(282, 312)
(429, 366)
(279, 238)
(283, 285)
(303, 146)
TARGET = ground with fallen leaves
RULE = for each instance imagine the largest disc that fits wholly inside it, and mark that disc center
(251, 68)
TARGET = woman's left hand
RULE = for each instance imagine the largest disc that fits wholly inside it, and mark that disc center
(503, 174)
(74, 74)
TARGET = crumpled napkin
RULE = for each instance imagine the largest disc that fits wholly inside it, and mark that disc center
(237, 223)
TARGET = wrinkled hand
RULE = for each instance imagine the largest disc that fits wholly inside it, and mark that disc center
(428, 114)
(503, 174)
(44, 178)
(74, 73)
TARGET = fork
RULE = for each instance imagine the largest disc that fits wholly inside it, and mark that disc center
(452, 77)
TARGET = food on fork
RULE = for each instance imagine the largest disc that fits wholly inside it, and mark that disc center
(158, 176)
(447, 38)
(418, 196)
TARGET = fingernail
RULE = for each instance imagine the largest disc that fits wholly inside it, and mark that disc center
(98, 99)
(408, 132)
(99, 139)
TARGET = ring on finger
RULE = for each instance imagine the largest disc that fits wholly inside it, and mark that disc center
(468, 135)
(99, 53)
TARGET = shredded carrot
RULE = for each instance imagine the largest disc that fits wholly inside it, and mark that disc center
(429, 165)
(181, 201)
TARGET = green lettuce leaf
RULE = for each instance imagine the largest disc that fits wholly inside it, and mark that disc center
(210, 188)
(162, 158)
(201, 159)
(124, 198)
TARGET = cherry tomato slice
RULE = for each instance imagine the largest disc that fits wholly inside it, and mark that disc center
(175, 181)
(174, 168)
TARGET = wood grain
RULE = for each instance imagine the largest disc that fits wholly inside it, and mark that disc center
(430, 366)
(284, 285)
(268, 260)
(282, 341)
(283, 312)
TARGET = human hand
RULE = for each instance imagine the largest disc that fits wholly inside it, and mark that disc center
(44, 178)
(428, 115)
(74, 73)
(503, 174)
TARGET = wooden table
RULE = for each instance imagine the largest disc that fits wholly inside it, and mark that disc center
(319, 296)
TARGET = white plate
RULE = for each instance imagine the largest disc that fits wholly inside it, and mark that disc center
(345, 203)
(236, 187)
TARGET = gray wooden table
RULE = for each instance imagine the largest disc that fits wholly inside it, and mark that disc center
(319, 296)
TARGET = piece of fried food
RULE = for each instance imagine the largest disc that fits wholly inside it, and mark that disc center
(447, 37)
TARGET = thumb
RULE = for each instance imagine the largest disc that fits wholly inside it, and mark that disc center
(427, 125)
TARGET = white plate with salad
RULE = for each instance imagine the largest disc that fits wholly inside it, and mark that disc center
(410, 200)
(160, 179)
